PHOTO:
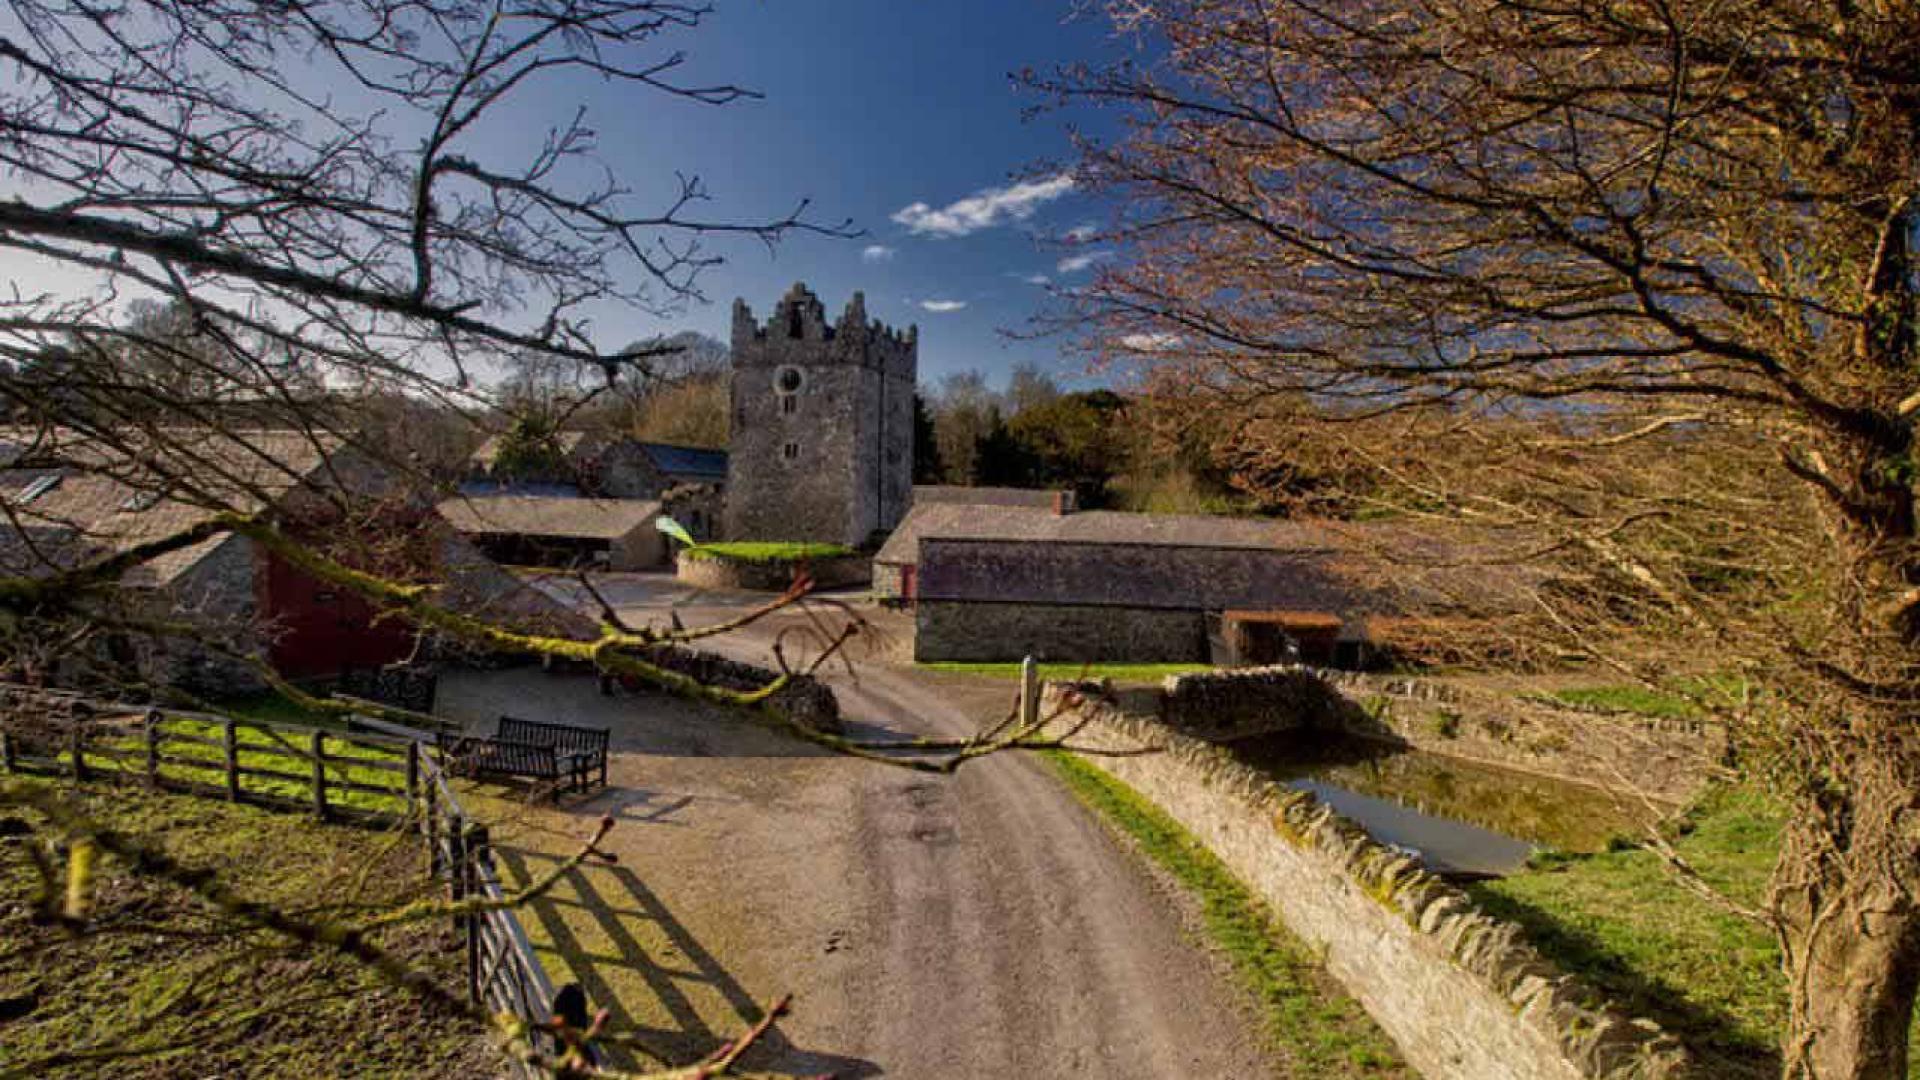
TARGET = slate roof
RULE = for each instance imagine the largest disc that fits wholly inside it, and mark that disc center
(687, 462)
(106, 502)
(525, 515)
(957, 521)
(1041, 498)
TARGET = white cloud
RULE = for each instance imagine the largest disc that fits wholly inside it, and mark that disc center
(876, 253)
(1083, 232)
(985, 208)
(1036, 279)
(1151, 343)
(942, 307)
(1073, 264)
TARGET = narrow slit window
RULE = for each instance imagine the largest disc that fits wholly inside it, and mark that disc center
(789, 404)
(790, 451)
(38, 487)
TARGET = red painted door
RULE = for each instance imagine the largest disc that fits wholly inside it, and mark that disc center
(319, 628)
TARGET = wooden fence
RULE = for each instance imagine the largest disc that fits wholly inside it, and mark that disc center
(387, 777)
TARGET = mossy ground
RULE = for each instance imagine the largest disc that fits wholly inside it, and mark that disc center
(162, 986)
(1621, 920)
(271, 750)
(766, 551)
(1118, 672)
(1310, 1021)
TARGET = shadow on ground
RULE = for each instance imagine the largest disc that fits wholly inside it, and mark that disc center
(602, 926)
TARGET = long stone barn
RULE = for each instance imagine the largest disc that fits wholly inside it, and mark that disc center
(996, 583)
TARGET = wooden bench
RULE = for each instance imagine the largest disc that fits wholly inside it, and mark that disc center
(501, 757)
(585, 746)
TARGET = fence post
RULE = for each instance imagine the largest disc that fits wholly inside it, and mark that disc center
(153, 748)
(430, 827)
(1029, 692)
(413, 775)
(231, 744)
(319, 747)
(479, 855)
(75, 749)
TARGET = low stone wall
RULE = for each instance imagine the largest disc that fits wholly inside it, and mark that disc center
(990, 632)
(1662, 759)
(1462, 993)
(1665, 759)
(1238, 702)
(806, 699)
(717, 572)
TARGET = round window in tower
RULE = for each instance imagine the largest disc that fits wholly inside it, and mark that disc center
(787, 380)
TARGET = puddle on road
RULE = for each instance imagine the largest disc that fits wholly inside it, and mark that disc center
(1462, 818)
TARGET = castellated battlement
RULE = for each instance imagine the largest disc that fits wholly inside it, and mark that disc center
(799, 325)
(822, 420)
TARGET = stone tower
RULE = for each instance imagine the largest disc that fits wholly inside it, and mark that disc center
(822, 445)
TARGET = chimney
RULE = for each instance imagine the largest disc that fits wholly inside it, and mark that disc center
(1062, 505)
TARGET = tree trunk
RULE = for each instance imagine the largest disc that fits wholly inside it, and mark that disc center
(1850, 931)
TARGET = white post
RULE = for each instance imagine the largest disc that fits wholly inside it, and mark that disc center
(1029, 692)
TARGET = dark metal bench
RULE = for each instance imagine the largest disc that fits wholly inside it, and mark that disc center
(585, 747)
(503, 757)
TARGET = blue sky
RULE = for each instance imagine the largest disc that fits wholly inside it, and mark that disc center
(901, 116)
(872, 108)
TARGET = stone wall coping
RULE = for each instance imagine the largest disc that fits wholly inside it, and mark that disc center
(1598, 1041)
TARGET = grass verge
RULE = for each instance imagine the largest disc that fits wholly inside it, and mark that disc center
(164, 986)
(1621, 921)
(766, 551)
(1118, 672)
(1308, 1018)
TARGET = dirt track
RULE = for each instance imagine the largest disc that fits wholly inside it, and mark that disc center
(983, 925)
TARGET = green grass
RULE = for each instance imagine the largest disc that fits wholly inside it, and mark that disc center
(1677, 703)
(1308, 1017)
(1621, 920)
(258, 748)
(210, 997)
(1118, 672)
(766, 551)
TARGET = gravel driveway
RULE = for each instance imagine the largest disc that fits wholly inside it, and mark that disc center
(981, 925)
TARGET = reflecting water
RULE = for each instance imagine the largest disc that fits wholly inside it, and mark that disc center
(1462, 818)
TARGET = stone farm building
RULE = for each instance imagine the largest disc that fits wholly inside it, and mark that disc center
(73, 502)
(1061, 500)
(597, 465)
(541, 530)
(996, 583)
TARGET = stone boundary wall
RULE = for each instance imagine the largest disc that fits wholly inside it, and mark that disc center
(712, 572)
(996, 632)
(1668, 760)
(805, 699)
(1463, 994)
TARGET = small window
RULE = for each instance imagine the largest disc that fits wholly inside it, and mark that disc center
(39, 486)
(787, 381)
(789, 404)
(790, 451)
(142, 500)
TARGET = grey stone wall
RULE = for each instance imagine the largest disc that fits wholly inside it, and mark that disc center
(950, 630)
(622, 470)
(218, 595)
(1463, 994)
(822, 423)
(1665, 759)
(707, 572)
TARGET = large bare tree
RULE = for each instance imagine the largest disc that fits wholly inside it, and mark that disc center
(230, 224)
(1653, 263)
